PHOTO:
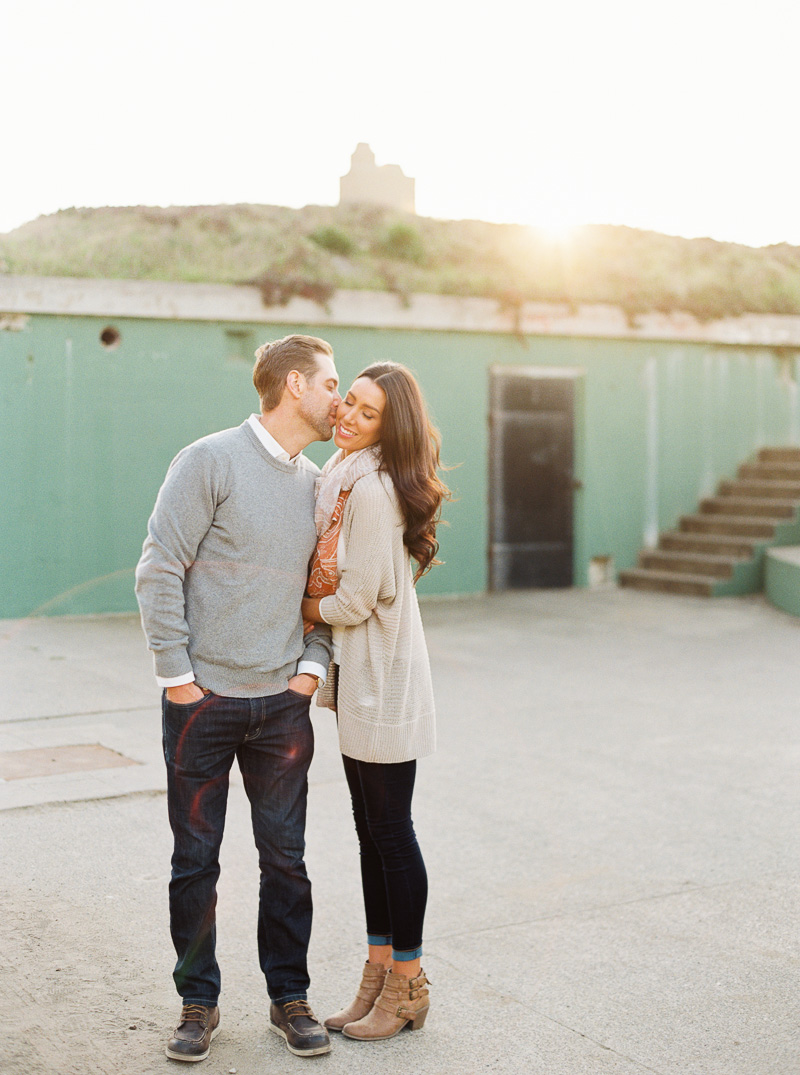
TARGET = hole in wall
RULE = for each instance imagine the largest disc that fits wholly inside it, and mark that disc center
(110, 338)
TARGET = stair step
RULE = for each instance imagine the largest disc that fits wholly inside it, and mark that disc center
(786, 490)
(688, 563)
(641, 578)
(749, 505)
(783, 454)
(770, 471)
(739, 525)
(718, 548)
(712, 544)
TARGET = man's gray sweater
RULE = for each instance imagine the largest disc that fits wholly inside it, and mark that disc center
(224, 567)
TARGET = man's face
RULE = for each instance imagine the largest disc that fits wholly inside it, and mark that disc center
(321, 398)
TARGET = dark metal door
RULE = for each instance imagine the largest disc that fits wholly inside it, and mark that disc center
(531, 476)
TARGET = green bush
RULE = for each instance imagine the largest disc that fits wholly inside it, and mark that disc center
(333, 239)
(402, 242)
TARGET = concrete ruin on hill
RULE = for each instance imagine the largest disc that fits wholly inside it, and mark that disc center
(370, 184)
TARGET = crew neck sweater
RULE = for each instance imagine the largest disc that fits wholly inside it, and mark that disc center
(224, 567)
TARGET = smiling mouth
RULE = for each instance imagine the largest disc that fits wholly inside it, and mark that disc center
(345, 432)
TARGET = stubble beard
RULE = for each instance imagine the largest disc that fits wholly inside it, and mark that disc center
(318, 422)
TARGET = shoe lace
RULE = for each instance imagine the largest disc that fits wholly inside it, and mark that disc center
(194, 1013)
(294, 1008)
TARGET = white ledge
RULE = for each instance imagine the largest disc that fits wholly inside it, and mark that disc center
(28, 295)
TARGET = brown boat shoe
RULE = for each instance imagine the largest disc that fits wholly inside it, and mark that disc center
(195, 1032)
(296, 1022)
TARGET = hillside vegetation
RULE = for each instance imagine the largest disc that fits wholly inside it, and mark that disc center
(318, 249)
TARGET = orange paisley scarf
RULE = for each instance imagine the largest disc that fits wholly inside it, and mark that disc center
(334, 485)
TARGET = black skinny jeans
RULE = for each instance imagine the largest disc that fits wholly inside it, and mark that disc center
(393, 873)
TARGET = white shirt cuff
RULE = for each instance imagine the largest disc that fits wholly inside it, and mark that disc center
(311, 668)
(175, 681)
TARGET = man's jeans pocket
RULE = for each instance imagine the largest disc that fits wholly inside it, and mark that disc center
(188, 705)
(297, 694)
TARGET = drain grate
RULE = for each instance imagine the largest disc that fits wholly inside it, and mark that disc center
(50, 761)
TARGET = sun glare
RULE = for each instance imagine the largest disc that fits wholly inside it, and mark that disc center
(555, 231)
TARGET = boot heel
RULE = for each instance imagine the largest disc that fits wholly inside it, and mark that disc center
(418, 1022)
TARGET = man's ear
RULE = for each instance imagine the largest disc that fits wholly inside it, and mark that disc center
(295, 383)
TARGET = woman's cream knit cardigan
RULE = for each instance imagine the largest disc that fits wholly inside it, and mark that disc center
(385, 706)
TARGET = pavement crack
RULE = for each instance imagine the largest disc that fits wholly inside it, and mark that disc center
(86, 713)
(481, 983)
(584, 911)
(595, 1041)
(60, 804)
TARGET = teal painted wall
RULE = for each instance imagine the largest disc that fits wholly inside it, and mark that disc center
(86, 435)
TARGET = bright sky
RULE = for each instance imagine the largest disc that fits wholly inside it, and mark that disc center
(680, 117)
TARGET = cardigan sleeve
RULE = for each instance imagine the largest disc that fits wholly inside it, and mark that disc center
(373, 538)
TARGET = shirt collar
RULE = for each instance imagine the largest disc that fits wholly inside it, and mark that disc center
(269, 442)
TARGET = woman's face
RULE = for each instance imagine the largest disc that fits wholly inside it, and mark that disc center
(358, 419)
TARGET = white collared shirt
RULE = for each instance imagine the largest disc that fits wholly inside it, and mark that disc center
(269, 442)
(277, 452)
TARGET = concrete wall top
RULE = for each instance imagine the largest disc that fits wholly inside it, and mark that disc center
(790, 554)
(26, 295)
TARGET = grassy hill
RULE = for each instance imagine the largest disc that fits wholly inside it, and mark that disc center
(315, 250)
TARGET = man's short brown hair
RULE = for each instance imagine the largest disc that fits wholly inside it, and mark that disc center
(276, 360)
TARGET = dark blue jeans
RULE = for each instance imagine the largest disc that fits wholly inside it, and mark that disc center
(273, 742)
(393, 874)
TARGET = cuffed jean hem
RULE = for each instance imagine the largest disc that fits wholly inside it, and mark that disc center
(407, 957)
(381, 939)
(288, 997)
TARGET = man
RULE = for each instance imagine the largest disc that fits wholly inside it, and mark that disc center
(222, 574)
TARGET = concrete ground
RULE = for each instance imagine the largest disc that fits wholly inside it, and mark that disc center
(610, 824)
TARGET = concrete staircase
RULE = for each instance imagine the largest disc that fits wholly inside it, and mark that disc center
(720, 549)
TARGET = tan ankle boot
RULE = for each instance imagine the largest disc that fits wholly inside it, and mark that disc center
(368, 992)
(403, 1001)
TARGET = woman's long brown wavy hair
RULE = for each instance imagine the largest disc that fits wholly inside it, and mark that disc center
(410, 446)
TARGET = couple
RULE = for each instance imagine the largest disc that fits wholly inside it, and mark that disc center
(240, 639)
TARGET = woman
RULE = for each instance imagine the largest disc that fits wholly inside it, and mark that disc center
(378, 504)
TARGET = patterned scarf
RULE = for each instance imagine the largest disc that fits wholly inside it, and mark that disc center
(334, 484)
